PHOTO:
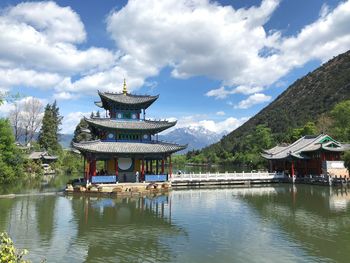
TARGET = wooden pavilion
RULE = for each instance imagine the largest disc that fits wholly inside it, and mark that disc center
(127, 142)
(310, 155)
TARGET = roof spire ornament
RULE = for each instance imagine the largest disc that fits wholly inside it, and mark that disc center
(124, 88)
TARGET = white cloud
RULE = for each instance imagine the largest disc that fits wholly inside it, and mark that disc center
(220, 113)
(38, 46)
(7, 107)
(254, 99)
(71, 120)
(231, 46)
(223, 93)
(64, 96)
(198, 120)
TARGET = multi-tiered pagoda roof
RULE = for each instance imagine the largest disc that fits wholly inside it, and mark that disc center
(124, 131)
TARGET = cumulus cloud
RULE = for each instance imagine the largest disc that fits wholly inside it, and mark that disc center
(194, 121)
(38, 46)
(71, 120)
(232, 46)
(40, 43)
(252, 100)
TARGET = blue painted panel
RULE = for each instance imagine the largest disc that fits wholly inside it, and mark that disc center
(156, 177)
(103, 179)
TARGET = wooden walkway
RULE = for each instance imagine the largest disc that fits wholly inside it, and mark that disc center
(207, 179)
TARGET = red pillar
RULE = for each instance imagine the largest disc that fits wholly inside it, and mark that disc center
(292, 172)
(151, 166)
(147, 166)
(94, 169)
(116, 166)
(87, 171)
(143, 169)
(163, 166)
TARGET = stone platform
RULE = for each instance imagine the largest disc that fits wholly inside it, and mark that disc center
(123, 189)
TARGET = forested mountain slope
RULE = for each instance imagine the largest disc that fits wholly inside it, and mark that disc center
(305, 100)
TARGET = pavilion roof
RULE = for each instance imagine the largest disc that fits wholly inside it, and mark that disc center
(99, 146)
(125, 100)
(305, 144)
(138, 125)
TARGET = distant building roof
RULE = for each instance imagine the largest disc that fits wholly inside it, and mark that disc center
(305, 144)
(128, 147)
(139, 125)
(125, 101)
(41, 155)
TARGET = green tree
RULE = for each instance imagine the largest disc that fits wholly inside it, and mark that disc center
(341, 117)
(346, 159)
(49, 132)
(10, 158)
(81, 132)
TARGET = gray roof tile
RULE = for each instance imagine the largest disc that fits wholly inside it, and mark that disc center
(139, 125)
(128, 147)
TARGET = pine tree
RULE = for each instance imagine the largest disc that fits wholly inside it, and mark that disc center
(49, 132)
(81, 133)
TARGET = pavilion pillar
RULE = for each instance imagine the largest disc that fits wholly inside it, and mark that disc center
(170, 167)
(162, 165)
(84, 167)
(157, 165)
(147, 166)
(87, 171)
(143, 169)
(116, 167)
(292, 168)
(94, 169)
(151, 166)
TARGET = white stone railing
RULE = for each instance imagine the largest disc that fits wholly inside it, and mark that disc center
(227, 176)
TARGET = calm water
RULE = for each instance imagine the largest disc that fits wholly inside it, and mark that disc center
(267, 224)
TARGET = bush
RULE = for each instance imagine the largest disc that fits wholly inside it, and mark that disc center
(8, 252)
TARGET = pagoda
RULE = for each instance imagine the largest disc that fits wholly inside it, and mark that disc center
(127, 141)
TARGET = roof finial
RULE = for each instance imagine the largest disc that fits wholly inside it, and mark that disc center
(124, 88)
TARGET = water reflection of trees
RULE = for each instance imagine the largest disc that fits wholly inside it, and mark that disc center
(131, 229)
(317, 217)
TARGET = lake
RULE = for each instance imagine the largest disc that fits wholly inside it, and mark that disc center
(276, 223)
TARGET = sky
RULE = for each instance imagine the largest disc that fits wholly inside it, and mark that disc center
(214, 64)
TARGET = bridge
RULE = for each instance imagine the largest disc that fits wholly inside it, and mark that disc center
(207, 179)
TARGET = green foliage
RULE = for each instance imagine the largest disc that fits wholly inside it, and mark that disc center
(80, 132)
(346, 159)
(10, 157)
(341, 117)
(70, 162)
(308, 129)
(8, 252)
(49, 132)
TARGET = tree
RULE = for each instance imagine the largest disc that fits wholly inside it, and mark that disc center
(49, 132)
(10, 157)
(16, 118)
(341, 117)
(81, 132)
(346, 159)
(32, 117)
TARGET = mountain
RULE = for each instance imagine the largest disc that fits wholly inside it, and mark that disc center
(65, 140)
(195, 137)
(305, 100)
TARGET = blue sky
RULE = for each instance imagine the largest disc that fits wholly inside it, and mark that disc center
(214, 64)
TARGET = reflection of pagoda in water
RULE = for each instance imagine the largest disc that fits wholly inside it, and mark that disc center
(129, 229)
(127, 141)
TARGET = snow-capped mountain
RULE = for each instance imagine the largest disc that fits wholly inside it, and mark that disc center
(195, 137)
